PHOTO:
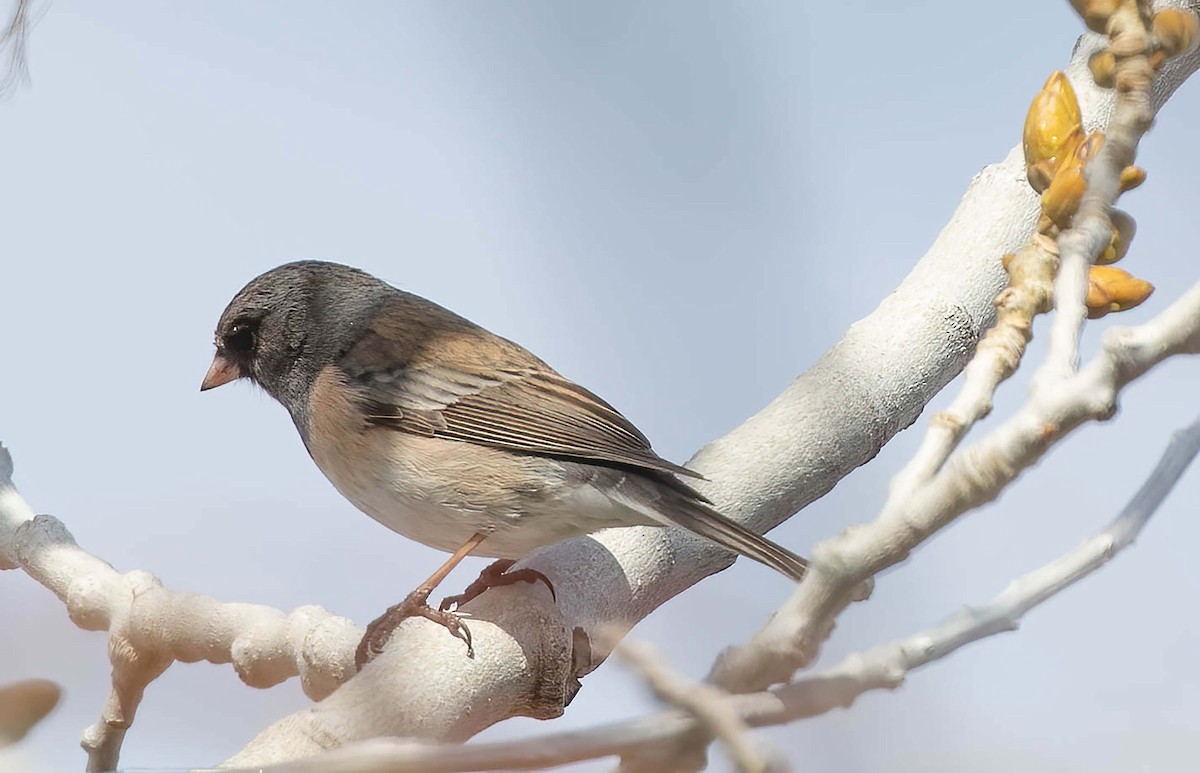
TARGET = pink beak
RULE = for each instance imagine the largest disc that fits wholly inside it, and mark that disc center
(222, 371)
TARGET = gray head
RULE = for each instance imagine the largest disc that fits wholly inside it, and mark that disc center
(287, 324)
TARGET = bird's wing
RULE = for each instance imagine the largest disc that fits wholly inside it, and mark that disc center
(458, 381)
(464, 383)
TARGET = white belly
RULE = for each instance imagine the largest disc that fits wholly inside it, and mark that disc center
(511, 533)
(442, 492)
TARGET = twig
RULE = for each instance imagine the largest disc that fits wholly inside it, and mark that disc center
(1091, 228)
(971, 478)
(1030, 293)
(707, 704)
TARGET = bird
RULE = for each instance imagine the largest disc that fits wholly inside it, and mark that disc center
(451, 435)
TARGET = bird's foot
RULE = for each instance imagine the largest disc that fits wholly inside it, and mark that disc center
(416, 604)
(496, 575)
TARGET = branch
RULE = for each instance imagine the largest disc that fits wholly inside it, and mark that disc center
(884, 667)
(151, 627)
(969, 479)
(931, 492)
(704, 703)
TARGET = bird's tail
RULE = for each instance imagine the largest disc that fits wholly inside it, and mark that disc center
(678, 505)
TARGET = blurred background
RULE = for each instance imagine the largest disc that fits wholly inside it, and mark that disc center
(678, 204)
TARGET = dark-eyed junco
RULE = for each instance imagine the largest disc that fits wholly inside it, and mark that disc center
(449, 434)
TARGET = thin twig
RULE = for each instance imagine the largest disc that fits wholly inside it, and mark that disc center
(971, 478)
(1091, 228)
(1030, 293)
(704, 702)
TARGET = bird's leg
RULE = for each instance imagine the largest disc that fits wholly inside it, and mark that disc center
(416, 604)
(496, 575)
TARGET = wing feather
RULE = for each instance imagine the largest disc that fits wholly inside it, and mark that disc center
(509, 399)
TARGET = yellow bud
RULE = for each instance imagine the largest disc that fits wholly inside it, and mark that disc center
(1095, 13)
(1177, 30)
(1053, 126)
(1103, 65)
(1112, 289)
(1061, 200)
(1132, 177)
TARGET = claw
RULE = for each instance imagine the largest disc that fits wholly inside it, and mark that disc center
(414, 605)
(496, 575)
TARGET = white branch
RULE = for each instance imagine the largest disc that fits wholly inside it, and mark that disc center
(150, 626)
(927, 496)
(707, 705)
(971, 478)
(884, 667)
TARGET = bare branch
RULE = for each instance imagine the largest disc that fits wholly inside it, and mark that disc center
(927, 496)
(1030, 293)
(884, 667)
(971, 478)
(707, 704)
(151, 627)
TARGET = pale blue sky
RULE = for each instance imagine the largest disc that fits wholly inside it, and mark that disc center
(680, 205)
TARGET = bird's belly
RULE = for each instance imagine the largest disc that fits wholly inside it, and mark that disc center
(513, 531)
(442, 492)
(438, 526)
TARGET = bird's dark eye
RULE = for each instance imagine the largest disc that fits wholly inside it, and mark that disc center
(240, 337)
